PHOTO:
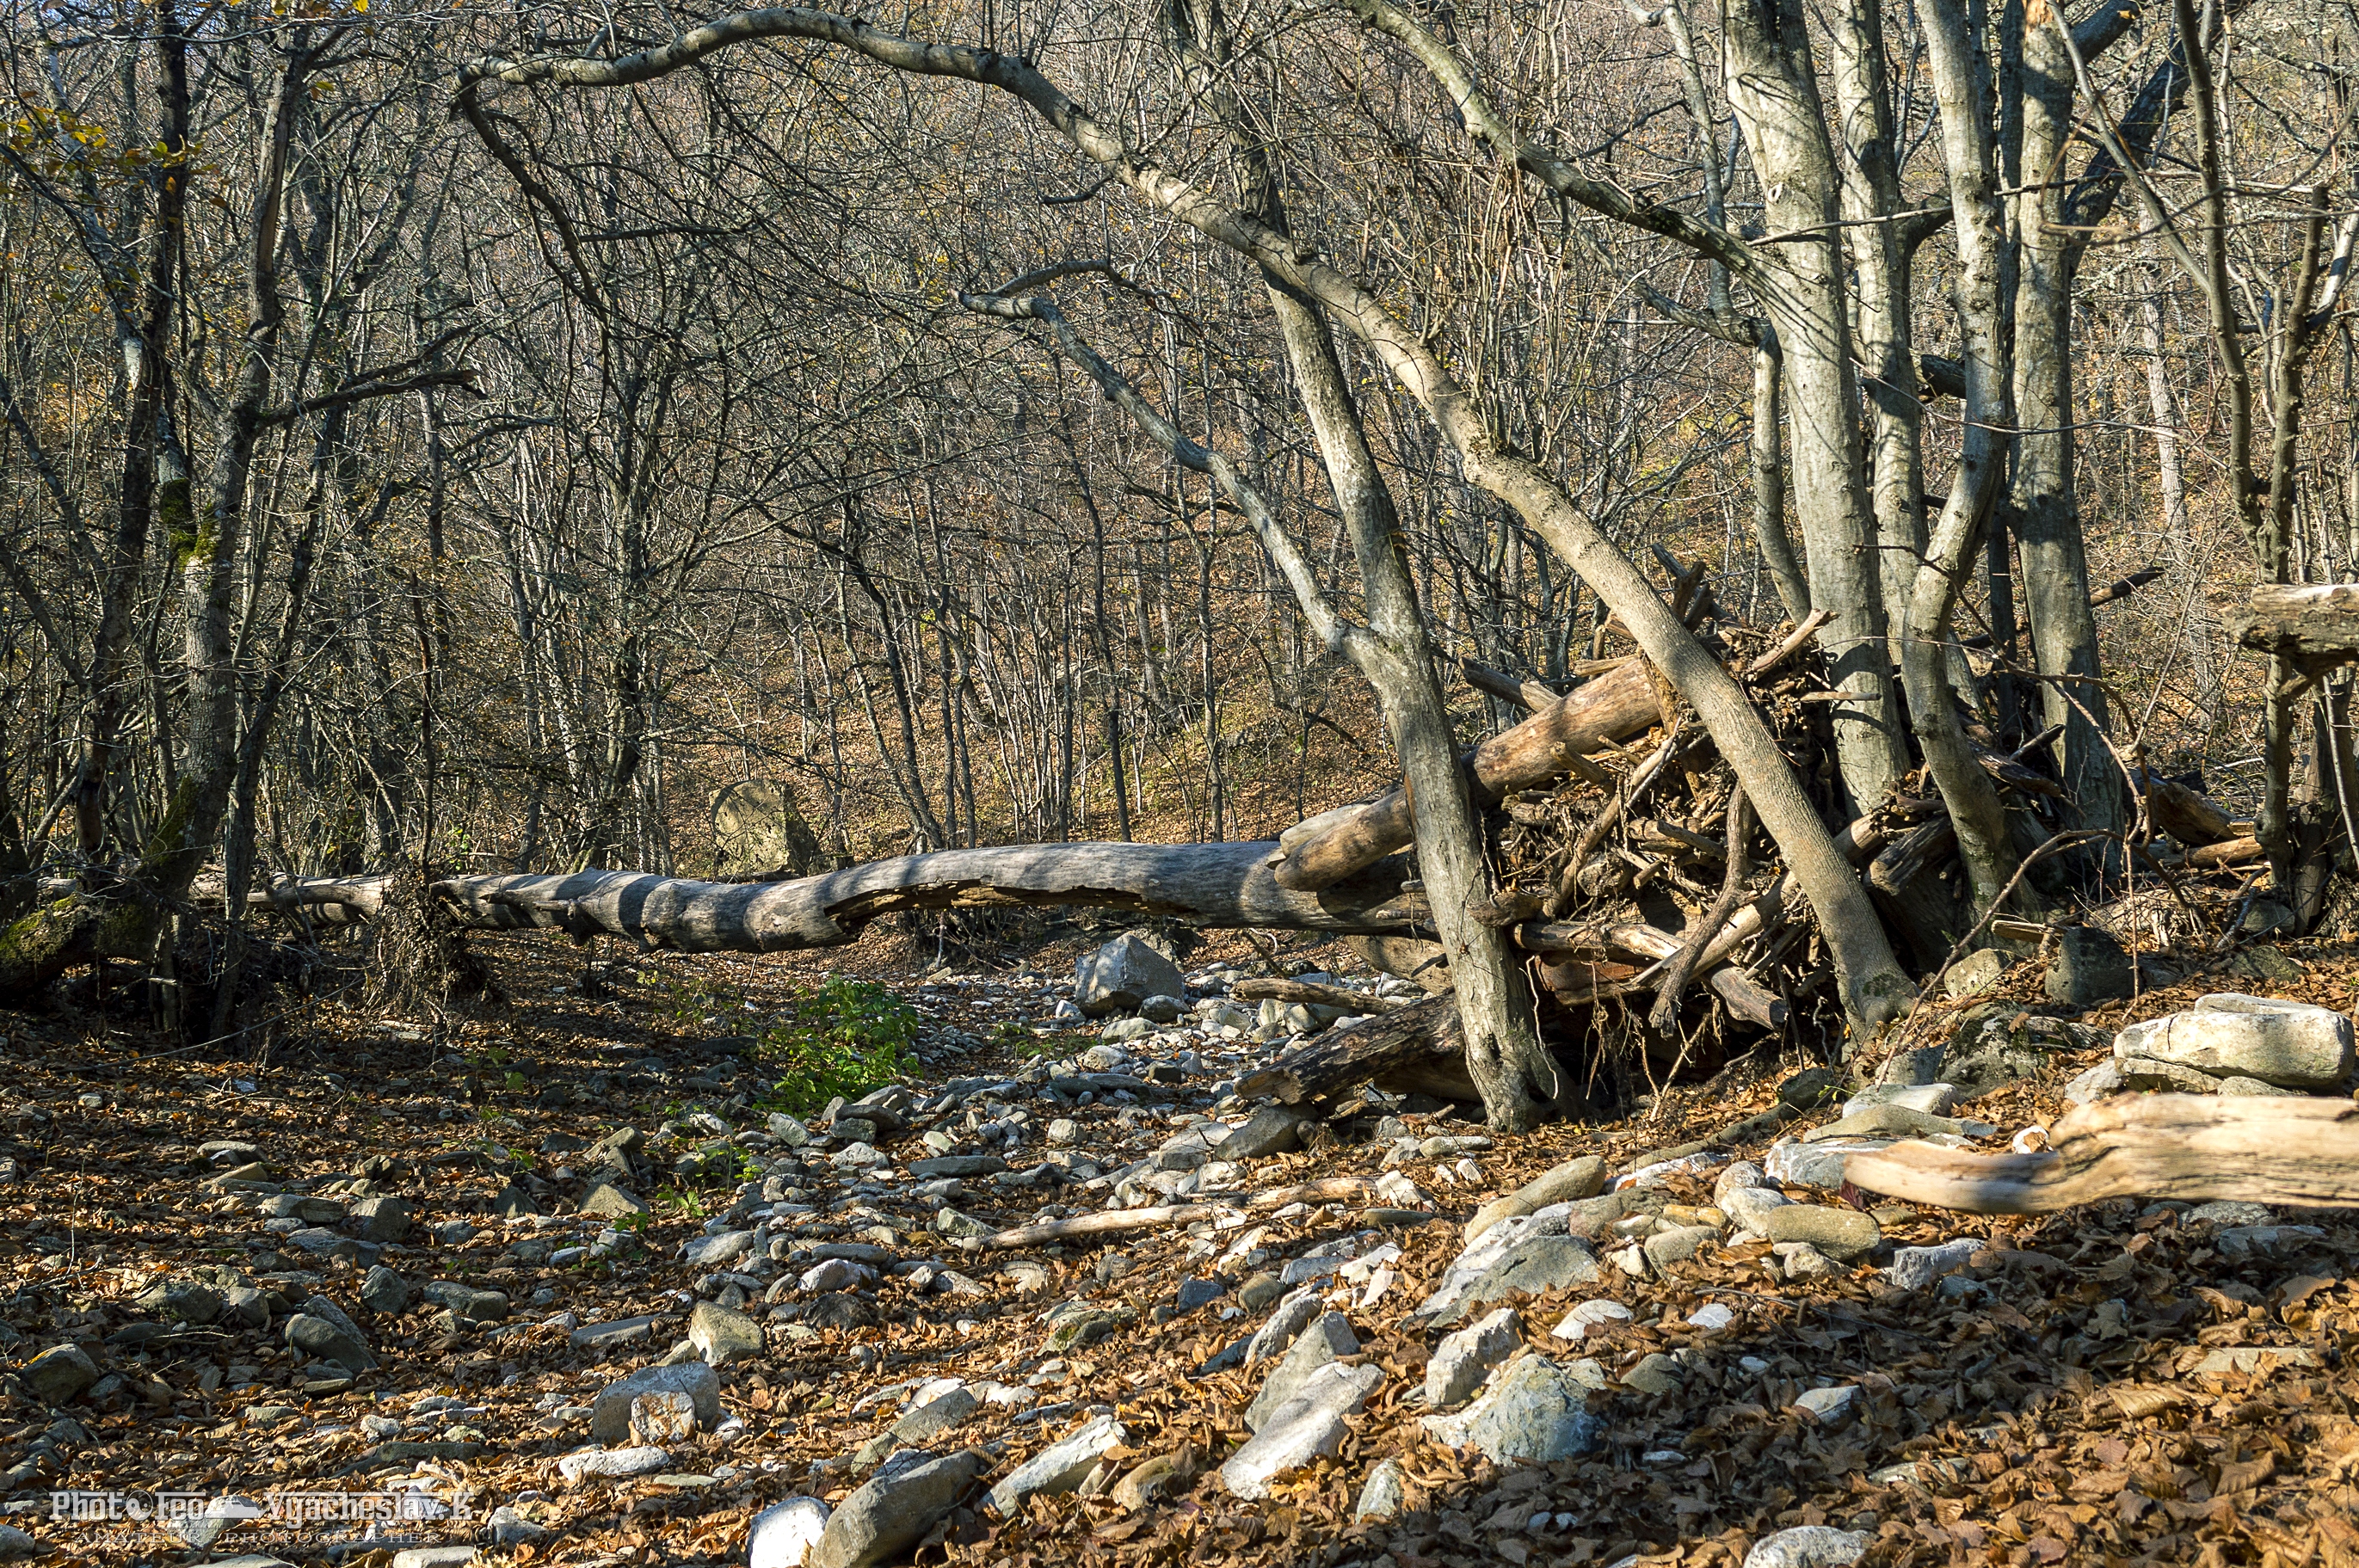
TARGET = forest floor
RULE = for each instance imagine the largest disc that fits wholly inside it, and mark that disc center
(2126, 1382)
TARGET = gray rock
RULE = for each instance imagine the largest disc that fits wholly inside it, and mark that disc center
(936, 1416)
(467, 1302)
(321, 1338)
(16, 1545)
(1803, 1261)
(1272, 1130)
(2145, 1074)
(2238, 1242)
(1748, 1207)
(1817, 1166)
(2095, 1084)
(1974, 972)
(2249, 1087)
(1122, 973)
(1835, 1408)
(835, 1274)
(1328, 1336)
(2292, 1043)
(1534, 1411)
(381, 1219)
(1194, 1293)
(711, 1251)
(1461, 1362)
(662, 1420)
(1599, 1315)
(1914, 1268)
(1655, 1374)
(457, 1555)
(2090, 967)
(509, 1528)
(1304, 1428)
(604, 1198)
(383, 1291)
(956, 1166)
(60, 1373)
(1162, 1010)
(609, 1335)
(610, 1410)
(1808, 1546)
(1060, 1468)
(2229, 1211)
(1678, 1245)
(612, 1463)
(1919, 1065)
(1987, 1053)
(182, 1300)
(722, 1335)
(1933, 1099)
(1383, 1493)
(790, 1133)
(783, 1534)
(1293, 1314)
(1840, 1233)
(1531, 1254)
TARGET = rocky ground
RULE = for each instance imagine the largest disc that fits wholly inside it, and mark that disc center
(564, 1290)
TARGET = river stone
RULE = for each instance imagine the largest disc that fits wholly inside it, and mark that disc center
(324, 1339)
(2095, 1084)
(1974, 972)
(783, 1534)
(1304, 1428)
(1569, 1182)
(1534, 1411)
(605, 1198)
(1748, 1207)
(383, 1291)
(1060, 1468)
(466, 1302)
(188, 1301)
(894, 1510)
(1121, 975)
(1835, 1408)
(1808, 1546)
(722, 1335)
(710, 1251)
(1819, 1165)
(612, 1463)
(1272, 1130)
(381, 1219)
(1328, 1337)
(935, 1417)
(610, 1410)
(2292, 1043)
(1601, 1314)
(1841, 1234)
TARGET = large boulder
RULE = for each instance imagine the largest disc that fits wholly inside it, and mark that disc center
(756, 827)
(2292, 1043)
(880, 1522)
(1122, 973)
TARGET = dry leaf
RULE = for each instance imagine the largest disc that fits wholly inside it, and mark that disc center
(2140, 1400)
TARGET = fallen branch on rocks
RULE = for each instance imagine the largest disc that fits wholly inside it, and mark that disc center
(1113, 1222)
(2263, 1149)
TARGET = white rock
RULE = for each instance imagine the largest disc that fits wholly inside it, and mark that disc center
(1293, 1314)
(1306, 1427)
(1598, 1316)
(1808, 1546)
(612, 1462)
(1534, 1411)
(1836, 1408)
(1933, 1099)
(2288, 1042)
(1060, 1468)
(1745, 1206)
(783, 1534)
(1711, 1317)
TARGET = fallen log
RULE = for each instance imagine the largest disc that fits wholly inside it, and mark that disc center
(1746, 997)
(2234, 852)
(1311, 994)
(2310, 624)
(2262, 1148)
(1616, 704)
(1113, 1222)
(2181, 812)
(1418, 1048)
(1204, 884)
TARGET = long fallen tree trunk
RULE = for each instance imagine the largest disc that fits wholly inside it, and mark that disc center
(1204, 884)
(2262, 1148)
(1620, 703)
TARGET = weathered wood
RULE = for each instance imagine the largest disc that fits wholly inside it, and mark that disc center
(2181, 812)
(1616, 704)
(1204, 884)
(1114, 1222)
(1311, 994)
(1928, 912)
(2234, 852)
(1587, 944)
(1420, 1037)
(1528, 695)
(2310, 623)
(2257, 1149)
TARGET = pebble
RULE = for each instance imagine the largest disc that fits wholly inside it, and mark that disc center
(1808, 1546)
(783, 1534)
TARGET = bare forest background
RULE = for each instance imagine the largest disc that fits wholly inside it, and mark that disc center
(486, 489)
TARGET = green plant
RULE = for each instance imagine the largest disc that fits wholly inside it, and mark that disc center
(844, 1037)
(687, 1203)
